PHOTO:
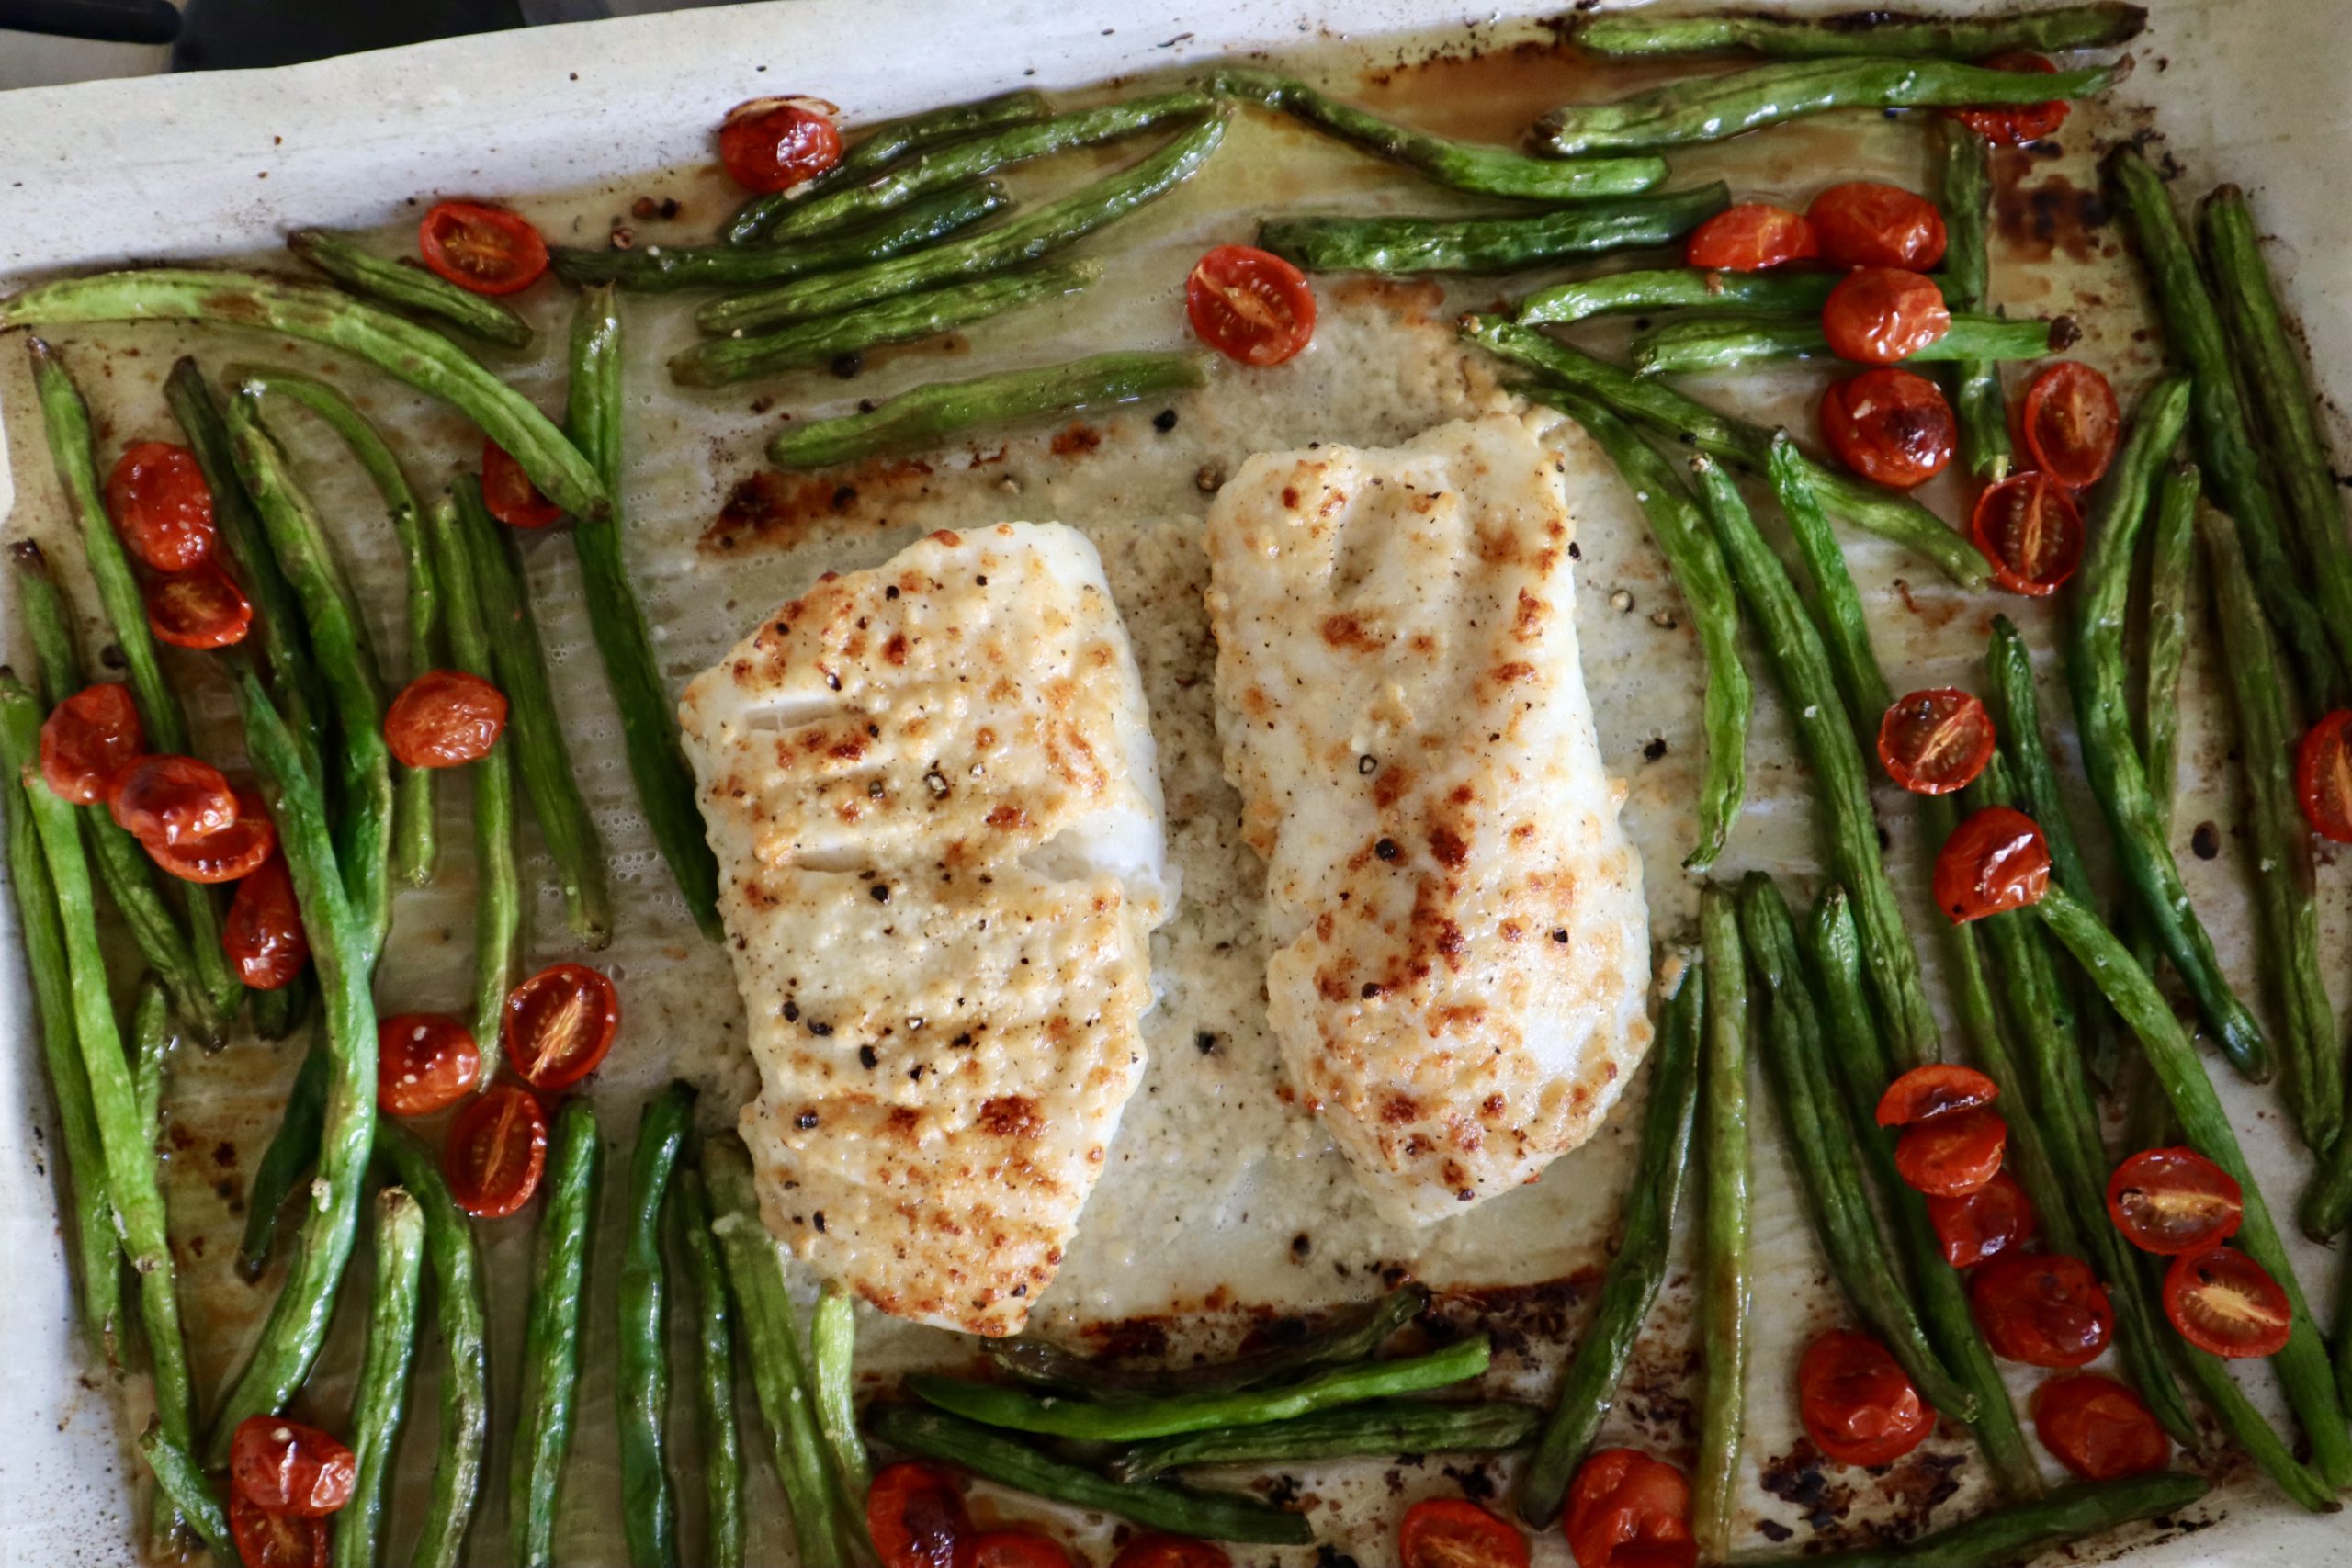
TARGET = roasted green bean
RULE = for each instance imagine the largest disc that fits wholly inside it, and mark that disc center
(1727, 1273)
(1638, 32)
(409, 287)
(288, 1154)
(152, 1040)
(1675, 289)
(2023, 1529)
(1490, 245)
(661, 268)
(551, 1341)
(641, 1387)
(190, 1491)
(832, 1351)
(379, 1405)
(722, 1441)
(1382, 1426)
(1694, 345)
(881, 147)
(1964, 170)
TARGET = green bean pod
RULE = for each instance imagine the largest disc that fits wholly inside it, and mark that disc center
(642, 1389)
(1726, 1271)
(190, 1493)
(1695, 345)
(832, 1350)
(1637, 33)
(654, 269)
(379, 1407)
(288, 1155)
(152, 1040)
(881, 147)
(1390, 1426)
(1490, 245)
(2024, 1529)
(1675, 289)
(722, 1440)
(409, 287)
(1965, 169)
(551, 1341)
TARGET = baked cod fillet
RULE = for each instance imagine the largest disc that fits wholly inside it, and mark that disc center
(934, 797)
(1462, 950)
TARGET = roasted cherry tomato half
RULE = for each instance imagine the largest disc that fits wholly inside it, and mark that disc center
(508, 493)
(772, 144)
(1447, 1532)
(1877, 315)
(87, 739)
(1937, 742)
(1994, 860)
(1171, 1551)
(237, 851)
(276, 1541)
(1939, 1089)
(487, 250)
(2323, 776)
(444, 719)
(1856, 1403)
(171, 800)
(263, 935)
(1014, 1549)
(1891, 426)
(424, 1062)
(160, 506)
(497, 1152)
(2070, 422)
(559, 1024)
(2046, 1310)
(202, 608)
(1863, 224)
(2169, 1202)
(1250, 305)
(1996, 1218)
(1751, 237)
(2031, 529)
(2012, 124)
(1625, 1510)
(2098, 1428)
(2224, 1302)
(284, 1467)
(916, 1517)
(1952, 1155)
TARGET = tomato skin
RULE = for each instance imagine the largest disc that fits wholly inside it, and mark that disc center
(559, 1024)
(1250, 305)
(234, 852)
(424, 1062)
(2013, 125)
(508, 493)
(2098, 1428)
(916, 1517)
(773, 144)
(2224, 1302)
(87, 739)
(1863, 224)
(1935, 742)
(276, 1541)
(1891, 426)
(1450, 1532)
(1996, 860)
(2173, 1200)
(263, 935)
(1939, 1089)
(171, 800)
(160, 506)
(1996, 1218)
(1628, 1510)
(2032, 531)
(486, 250)
(1751, 237)
(2070, 422)
(2043, 1310)
(2323, 776)
(497, 1152)
(202, 608)
(1952, 1155)
(1171, 1551)
(1877, 315)
(1014, 1549)
(1857, 1404)
(444, 719)
(284, 1467)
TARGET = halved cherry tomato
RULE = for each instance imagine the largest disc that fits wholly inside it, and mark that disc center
(1939, 1089)
(171, 800)
(1447, 1532)
(87, 739)
(2012, 124)
(2224, 1302)
(2098, 1428)
(1952, 1155)
(160, 506)
(1937, 742)
(237, 851)
(2031, 529)
(1250, 305)
(486, 250)
(916, 1517)
(443, 718)
(1996, 1218)
(1891, 426)
(1171, 1551)
(2323, 776)
(2046, 1310)
(772, 144)
(2169, 1202)
(1994, 860)
(509, 494)
(1014, 1549)
(1862, 223)
(285, 1467)
(497, 1152)
(1877, 315)
(1625, 1510)
(559, 1024)
(424, 1062)
(1749, 238)
(263, 935)
(276, 1541)
(1857, 1405)
(2071, 422)
(200, 608)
